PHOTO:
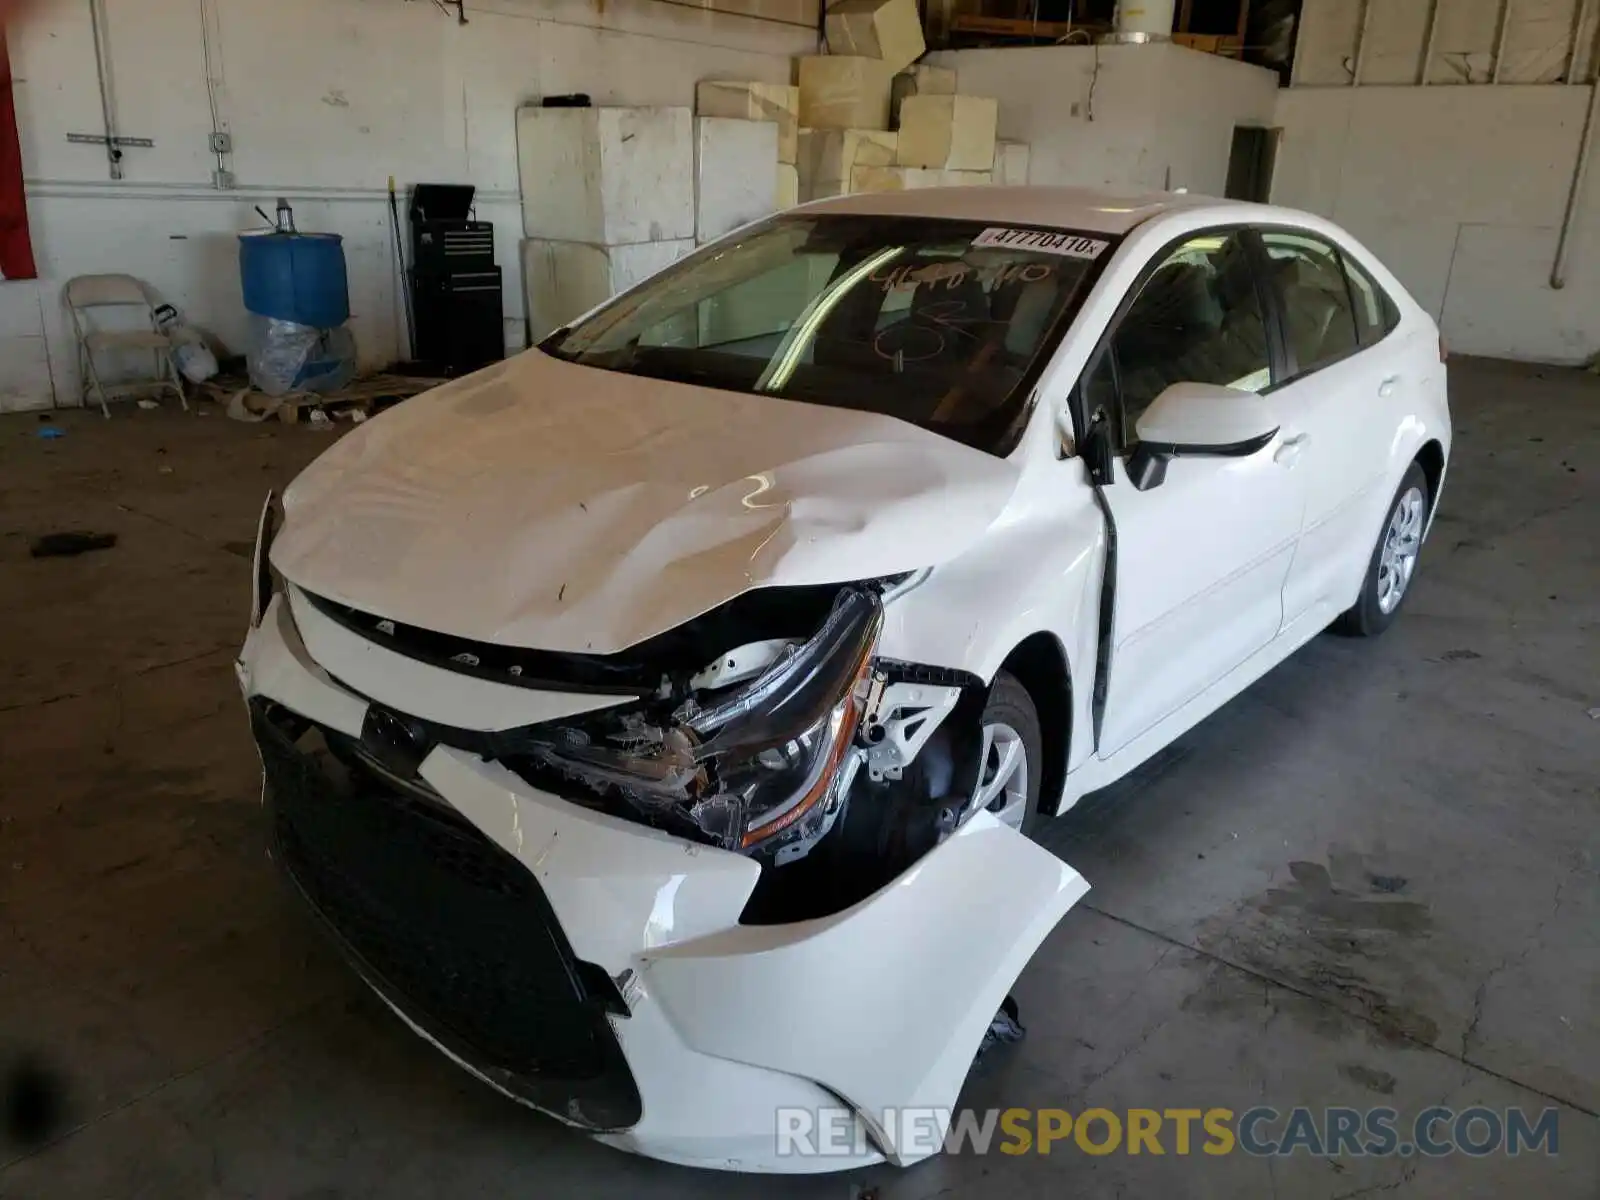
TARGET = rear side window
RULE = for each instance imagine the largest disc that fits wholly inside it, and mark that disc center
(1318, 315)
(1376, 314)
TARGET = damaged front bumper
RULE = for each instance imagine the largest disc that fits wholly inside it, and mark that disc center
(598, 969)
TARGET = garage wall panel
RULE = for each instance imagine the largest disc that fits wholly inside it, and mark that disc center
(1501, 155)
(1310, 162)
(325, 99)
(1124, 116)
(1462, 192)
(1500, 301)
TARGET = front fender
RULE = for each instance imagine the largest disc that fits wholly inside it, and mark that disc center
(886, 1003)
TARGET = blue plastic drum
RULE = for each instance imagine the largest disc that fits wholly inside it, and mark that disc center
(298, 277)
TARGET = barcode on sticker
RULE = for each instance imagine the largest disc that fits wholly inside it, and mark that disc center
(1068, 245)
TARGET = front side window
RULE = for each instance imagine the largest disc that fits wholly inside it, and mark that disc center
(1318, 319)
(1197, 319)
(935, 322)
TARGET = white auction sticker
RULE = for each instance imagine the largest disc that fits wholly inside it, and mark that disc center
(1068, 245)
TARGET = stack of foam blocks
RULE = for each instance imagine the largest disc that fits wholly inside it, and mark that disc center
(608, 199)
(612, 195)
(746, 142)
(871, 121)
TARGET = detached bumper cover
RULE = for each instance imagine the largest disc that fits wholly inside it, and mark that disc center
(513, 929)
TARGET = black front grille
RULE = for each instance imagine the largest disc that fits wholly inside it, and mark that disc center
(451, 929)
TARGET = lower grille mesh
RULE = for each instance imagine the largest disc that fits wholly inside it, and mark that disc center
(449, 927)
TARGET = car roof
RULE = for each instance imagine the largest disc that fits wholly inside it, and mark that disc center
(1090, 210)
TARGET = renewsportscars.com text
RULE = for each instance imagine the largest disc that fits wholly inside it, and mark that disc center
(1262, 1131)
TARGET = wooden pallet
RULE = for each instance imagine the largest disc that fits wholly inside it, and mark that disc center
(1017, 28)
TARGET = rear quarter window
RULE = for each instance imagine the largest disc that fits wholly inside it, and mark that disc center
(1376, 314)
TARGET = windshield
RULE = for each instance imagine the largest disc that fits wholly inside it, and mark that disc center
(936, 322)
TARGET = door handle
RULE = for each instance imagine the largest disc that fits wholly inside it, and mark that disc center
(1289, 452)
(1387, 387)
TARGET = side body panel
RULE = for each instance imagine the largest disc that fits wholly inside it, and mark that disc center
(1201, 562)
(1361, 422)
(1038, 570)
(1417, 413)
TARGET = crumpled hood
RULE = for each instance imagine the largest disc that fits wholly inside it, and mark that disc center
(549, 505)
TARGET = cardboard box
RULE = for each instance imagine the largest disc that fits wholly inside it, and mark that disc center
(844, 92)
(609, 176)
(919, 81)
(888, 30)
(563, 280)
(778, 102)
(788, 186)
(735, 175)
(906, 179)
(1011, 163)
(951, 132)
(828, 156)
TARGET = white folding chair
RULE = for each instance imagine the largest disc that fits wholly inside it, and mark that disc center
(87, 293)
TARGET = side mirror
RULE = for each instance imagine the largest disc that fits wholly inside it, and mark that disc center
(1198, 420)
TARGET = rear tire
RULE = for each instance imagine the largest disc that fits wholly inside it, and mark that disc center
(1391, 571)
(1013, 754)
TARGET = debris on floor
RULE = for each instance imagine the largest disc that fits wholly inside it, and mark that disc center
(362, 399)
(51, 432)
(71, 543)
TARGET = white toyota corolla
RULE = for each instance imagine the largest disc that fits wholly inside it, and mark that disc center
(658, 719)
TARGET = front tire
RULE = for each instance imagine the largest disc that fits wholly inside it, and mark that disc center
(1393, 566)
(1013, 756)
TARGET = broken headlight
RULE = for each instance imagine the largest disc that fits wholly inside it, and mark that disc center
(762, 768)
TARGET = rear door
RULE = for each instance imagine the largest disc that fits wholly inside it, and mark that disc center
(1342, 379)
(1201, 559)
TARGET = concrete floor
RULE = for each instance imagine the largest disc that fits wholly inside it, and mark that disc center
(1370, 880)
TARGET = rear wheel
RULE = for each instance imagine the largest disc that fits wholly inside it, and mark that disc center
(1394, 560)
(1013, 756)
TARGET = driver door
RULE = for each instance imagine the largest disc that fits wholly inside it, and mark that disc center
(1202, 555)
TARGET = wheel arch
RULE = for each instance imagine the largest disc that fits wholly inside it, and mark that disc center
(1039, 663)
(1430, 457)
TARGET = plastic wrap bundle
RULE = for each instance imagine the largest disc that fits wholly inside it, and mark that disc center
(286, 356)
(297, 292)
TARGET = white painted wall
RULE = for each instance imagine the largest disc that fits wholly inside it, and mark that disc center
(1150, 116)
(1460, 189)
(325, 100)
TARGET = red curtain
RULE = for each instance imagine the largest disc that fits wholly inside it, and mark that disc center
(16, 247)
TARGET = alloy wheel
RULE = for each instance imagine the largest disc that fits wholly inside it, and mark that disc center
(1402, 541)
(1003, 781)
